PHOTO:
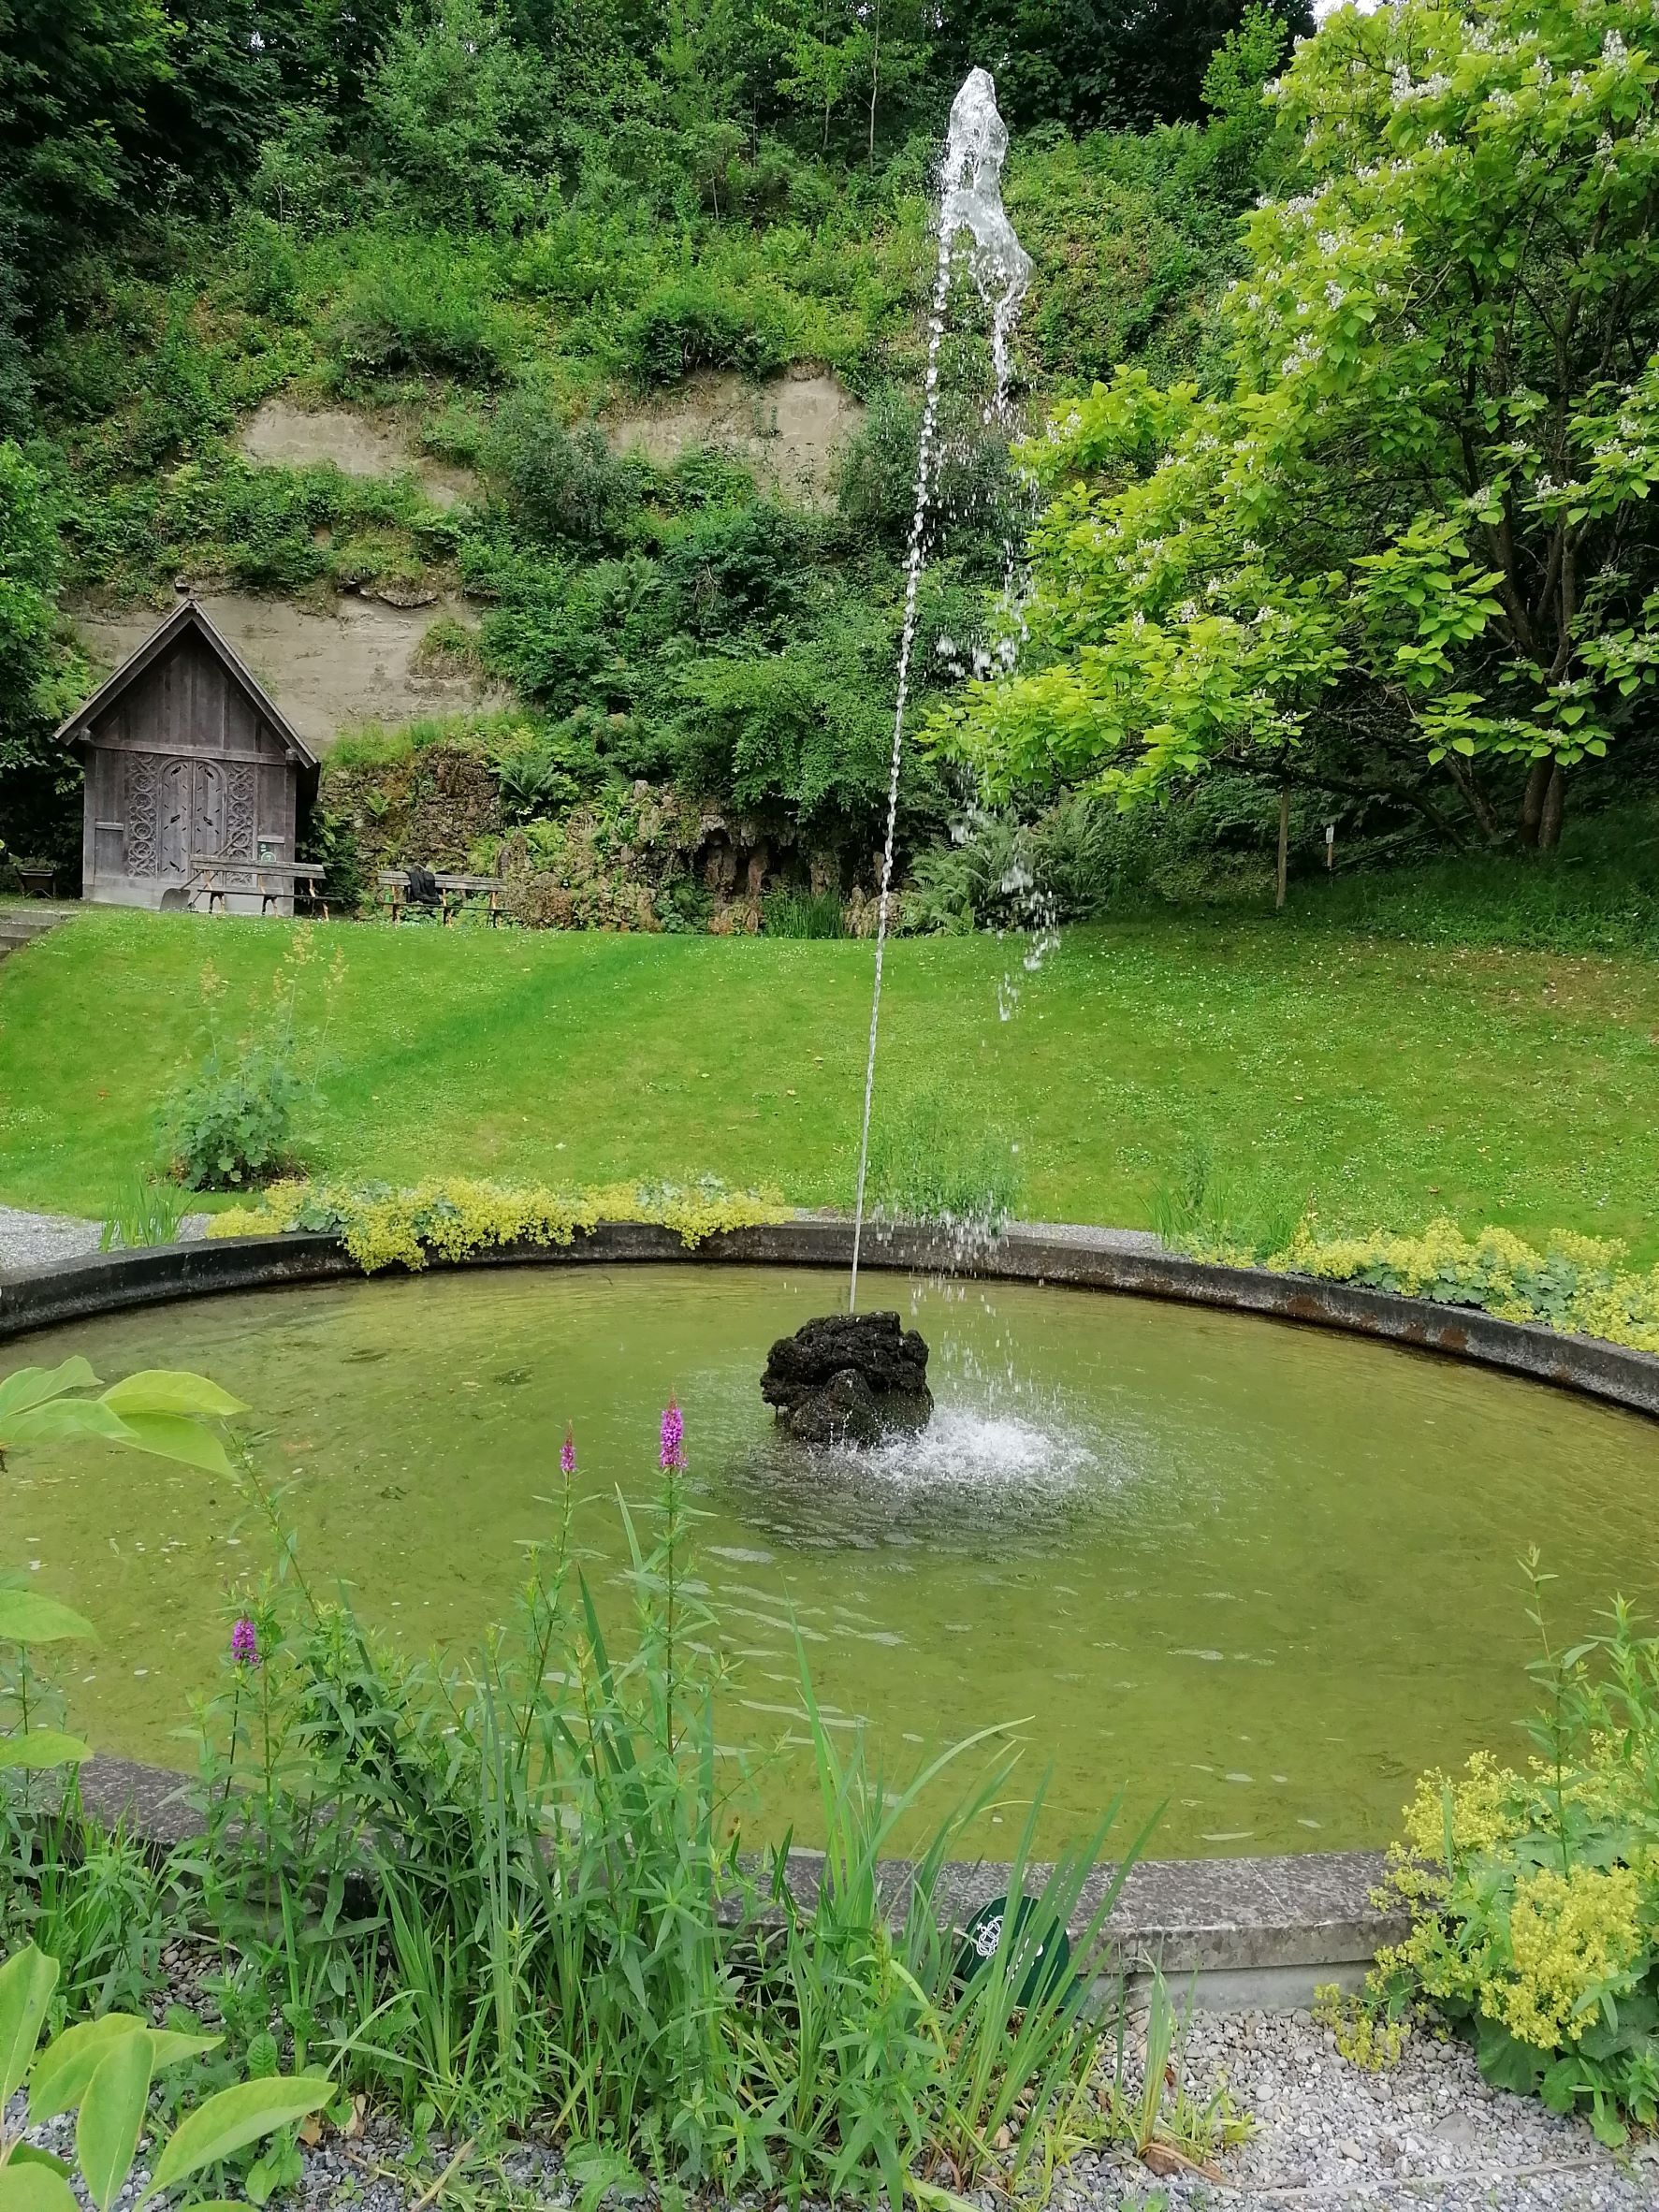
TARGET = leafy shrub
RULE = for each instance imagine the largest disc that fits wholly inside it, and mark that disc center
(565, 486)
(736, 569)
(457, 108)
(1533, 1895)
(557, 767)
(232, 1123)
(330, 838)
(696, 322)
(416, 304)
(974, 486)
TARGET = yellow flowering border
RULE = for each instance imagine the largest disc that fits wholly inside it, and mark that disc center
(1578, 1285)
(1509, 1928)
(453, 1217)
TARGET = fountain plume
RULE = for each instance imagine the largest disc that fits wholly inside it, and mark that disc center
(970, 200)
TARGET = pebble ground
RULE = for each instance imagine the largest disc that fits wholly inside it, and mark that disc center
(40, 1239)
(1426, 2136)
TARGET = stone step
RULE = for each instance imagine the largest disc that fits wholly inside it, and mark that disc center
(21, 925)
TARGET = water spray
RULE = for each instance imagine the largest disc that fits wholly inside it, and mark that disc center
(971, 200)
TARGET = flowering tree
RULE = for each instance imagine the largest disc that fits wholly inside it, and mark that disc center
(1423, 509)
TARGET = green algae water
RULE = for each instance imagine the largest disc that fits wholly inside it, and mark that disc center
(1260, 1573)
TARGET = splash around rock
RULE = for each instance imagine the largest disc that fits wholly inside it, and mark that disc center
(848, 1378)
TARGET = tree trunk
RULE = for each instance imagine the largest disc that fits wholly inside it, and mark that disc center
(1531, 802)
(1550, 816)
(1284, 842)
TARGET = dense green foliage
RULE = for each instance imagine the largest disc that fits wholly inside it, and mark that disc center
(1416, 529)
(36, 782)
(492, 224)
(493, 228)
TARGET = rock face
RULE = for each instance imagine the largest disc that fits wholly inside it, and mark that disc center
(848, 1378)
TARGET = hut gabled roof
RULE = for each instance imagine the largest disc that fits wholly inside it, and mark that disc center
(188, 617)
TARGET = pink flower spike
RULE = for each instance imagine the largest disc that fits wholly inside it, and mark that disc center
(567, 1454)
(245, 1643)
(673, 1438)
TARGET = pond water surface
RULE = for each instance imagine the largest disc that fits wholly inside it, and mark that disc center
(1262, 1572)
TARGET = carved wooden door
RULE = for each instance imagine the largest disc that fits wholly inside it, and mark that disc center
(172, 820)
(210, 827)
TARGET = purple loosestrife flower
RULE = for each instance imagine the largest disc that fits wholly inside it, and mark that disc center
(567, 1454)
(245, 1643)
(673, 1438)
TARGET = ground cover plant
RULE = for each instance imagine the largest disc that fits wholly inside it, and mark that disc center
(451, 1220)
(1532, 1892)
(1373, 1083)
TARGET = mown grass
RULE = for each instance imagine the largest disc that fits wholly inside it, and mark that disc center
(1381, 1082)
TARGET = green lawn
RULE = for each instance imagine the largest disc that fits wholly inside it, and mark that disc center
(1385, 1081)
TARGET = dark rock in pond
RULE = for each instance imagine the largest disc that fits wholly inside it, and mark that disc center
(848, 1378)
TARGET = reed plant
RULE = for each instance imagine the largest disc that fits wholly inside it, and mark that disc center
(149, 1210)
(517, 1887)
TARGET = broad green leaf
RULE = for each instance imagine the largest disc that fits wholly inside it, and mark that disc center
(175, 1436)
(111, 2115)
(170, 1390)
(69, 2061)
(30, 2154)
(60, 1419)
(42, 1749)
(27, 1981)
(32, 1385)
(34, 2188)
(27, 1617)
(236, 2117)
(169, 2048)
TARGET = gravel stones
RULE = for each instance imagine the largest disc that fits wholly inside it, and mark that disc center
(1427, 2136)
(1428, 2132)
(28, 1240)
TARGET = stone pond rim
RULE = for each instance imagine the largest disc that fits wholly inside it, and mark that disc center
(1249, 1930)
(848, 1378)
(1126, 1263)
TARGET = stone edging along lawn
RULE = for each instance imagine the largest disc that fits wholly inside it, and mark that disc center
(1250, 1931)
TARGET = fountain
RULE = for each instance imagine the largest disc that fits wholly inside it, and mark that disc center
(853, 1378)
(848, 1378)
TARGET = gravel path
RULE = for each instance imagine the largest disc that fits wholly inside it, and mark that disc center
(1428, 2137)
(38, 1239)
(1427, 2134)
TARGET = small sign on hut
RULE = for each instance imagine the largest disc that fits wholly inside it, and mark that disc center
(195, 777)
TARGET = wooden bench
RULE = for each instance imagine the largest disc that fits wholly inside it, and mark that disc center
(453, 892)
(214, 876)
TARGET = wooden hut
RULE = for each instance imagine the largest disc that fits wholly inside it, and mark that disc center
(188, 762)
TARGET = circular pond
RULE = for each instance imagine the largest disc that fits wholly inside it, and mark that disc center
(1263, 1572)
